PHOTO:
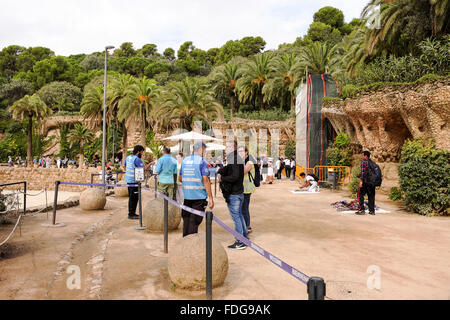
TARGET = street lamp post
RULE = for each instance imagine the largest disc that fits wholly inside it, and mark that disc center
(104, 119)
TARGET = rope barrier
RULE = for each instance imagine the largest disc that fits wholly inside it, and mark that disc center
(98, 184)
(15, 226)
(29, 194)
(275, 260)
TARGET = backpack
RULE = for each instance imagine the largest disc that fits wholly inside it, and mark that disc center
(316, 178)
(257, 178)
(374, 176)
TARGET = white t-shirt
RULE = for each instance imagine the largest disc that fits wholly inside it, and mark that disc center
(293, 163)
(310, 179)
(287, 162)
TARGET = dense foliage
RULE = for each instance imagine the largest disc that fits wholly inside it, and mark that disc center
(424, 177)
(339, 153)
(395, 41)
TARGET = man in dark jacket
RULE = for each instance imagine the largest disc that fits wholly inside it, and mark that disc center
(365, 188)
(231, 177)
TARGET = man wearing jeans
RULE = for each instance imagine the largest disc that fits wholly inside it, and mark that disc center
(232, 175)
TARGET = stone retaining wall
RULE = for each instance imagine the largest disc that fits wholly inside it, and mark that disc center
(40, 178)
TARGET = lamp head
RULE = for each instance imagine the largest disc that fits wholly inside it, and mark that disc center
(109, 47)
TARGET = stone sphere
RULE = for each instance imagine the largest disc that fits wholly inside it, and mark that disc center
(153, 215)
(121, 191)
(187, 262)
(92, 199)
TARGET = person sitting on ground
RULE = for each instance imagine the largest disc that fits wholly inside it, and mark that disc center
(310, 184)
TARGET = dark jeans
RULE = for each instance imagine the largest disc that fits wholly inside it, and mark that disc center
(245, 209)
(288, 172)
(370, 191)
(133, 198)
(192, 221)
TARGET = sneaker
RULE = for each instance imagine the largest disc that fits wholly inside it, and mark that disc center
(133, 216)
(238, 246)
(360, 212)
(249, 230)
(372, 212)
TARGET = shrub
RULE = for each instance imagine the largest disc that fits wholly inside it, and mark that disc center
(353, 186)
(326, 101)
(339, 154)
(349, 91)
(395, 194)
(424, 177)
(290, 149)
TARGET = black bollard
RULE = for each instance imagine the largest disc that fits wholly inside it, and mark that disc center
(166, 225)
(92, 179)
(215, 184)
(316, 288)
(156, 185)
(209, 218)
(140, 227)
(55, 202)
(24, 197)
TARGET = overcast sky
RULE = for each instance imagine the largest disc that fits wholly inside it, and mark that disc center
(85, 26)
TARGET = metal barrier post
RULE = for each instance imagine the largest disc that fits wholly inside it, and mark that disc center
(92, 179)
(215, 184)
(24, 197)
(166, 225)
(316, 288)
(140, 227)
(156, 184)
(55, 202)
(209, 218)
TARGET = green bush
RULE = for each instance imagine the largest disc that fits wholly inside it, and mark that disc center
(353, 186)
(424, 177)
(339, 154)
(290, 149)
(395, 194)
(330, 100)
(350, 91)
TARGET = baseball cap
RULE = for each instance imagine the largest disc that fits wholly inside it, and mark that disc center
(198, 145)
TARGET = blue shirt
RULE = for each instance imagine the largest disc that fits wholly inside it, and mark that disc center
(193, 169)
(166, 168)
(131, 162)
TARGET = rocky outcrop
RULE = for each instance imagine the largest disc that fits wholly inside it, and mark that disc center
(380, 121)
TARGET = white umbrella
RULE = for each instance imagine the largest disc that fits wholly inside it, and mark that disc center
(214, 146)
(192, 135)
(150, 151)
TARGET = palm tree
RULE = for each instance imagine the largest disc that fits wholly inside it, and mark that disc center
(286, 72)
(92, 106)
(225, 78)
(254, 76)
(30, 107)
(189, 100)
(82, 135)
(354, 51)
(118, 91)
(394, 14)
(320, 58)
(138, 102)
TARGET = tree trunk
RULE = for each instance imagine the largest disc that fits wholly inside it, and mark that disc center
(30, 140)
(261, 102)
(124, 141)
(232, 105)
(292, 102)
(81, 162)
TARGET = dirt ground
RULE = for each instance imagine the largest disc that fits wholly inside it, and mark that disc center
(116, 261)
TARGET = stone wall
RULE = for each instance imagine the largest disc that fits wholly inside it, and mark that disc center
(40, 178)
(380, 121)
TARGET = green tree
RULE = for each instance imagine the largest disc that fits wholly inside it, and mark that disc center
(82, 135)
(93, 62)
(169, 53)
(225, 77)
(230, 50)
(330, 16)
(138, 101)
(252, 45)
(30, 107)
(8, 60)
(126, 50)
(188, 100)
(13, 91)
(285, 76)
(255, 75)
(92, 106)
(155, 67)
(148, 50)
(61, 95)
(320, 58)
(118, 90)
